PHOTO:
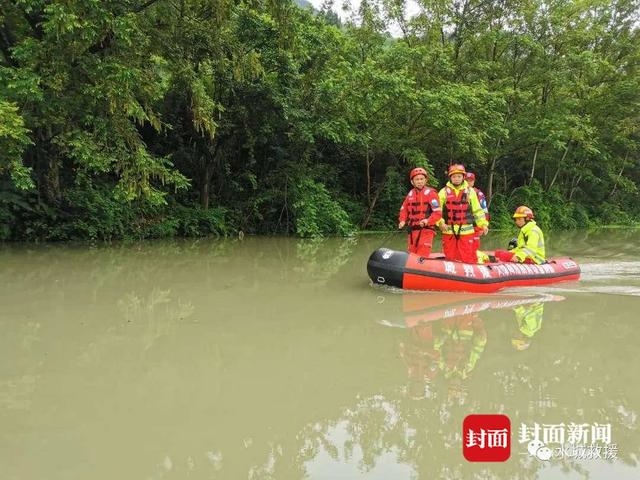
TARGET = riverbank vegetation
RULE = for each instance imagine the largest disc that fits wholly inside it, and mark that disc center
(156, 118)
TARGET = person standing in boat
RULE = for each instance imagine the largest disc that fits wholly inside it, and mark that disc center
(420, 211)
(530, 244)
(471, 180)
(461, 212)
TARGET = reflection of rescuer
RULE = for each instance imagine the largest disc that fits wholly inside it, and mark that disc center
(420, 211)
(420, 358)
(529, 319)
(450, 347)
(461, 342)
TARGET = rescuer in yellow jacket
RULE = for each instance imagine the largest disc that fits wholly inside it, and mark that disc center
(530, 245)
(461, 212)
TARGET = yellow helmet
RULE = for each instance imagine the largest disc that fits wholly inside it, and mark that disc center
(520, 343)
(456, 168)
(523, 212)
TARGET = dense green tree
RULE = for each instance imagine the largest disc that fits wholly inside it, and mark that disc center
(156, 118)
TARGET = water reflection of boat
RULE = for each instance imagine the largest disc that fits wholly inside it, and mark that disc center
(413, 272)
(428, 307)
(446, 336)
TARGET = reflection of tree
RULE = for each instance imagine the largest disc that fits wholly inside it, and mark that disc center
(528, 387)
(66, 288)
(150, 287)
(49, 270)
(389, 426)
(144, 321)
(160, 314)
(135, 299)
(320, 259)
(365, 432)
(18, 386)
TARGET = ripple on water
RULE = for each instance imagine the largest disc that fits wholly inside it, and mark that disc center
(607, 270)
(616, 290)
(609, 277)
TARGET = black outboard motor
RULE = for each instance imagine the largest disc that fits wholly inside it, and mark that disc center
(386, 267)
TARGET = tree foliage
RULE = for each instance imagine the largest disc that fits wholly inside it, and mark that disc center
(156, 118)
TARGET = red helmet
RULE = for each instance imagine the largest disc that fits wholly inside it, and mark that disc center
(456, 168)
(418, 171)
(523, 212)
(470, 176)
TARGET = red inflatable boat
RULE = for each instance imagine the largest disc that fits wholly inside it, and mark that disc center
(412, 272)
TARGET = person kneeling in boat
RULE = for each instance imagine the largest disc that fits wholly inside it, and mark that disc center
(530, 243)
(420, 211)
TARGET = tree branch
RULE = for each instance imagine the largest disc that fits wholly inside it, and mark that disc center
(7, 41)
(145, 5)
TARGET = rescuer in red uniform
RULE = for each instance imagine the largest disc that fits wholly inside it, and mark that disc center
(420, 211)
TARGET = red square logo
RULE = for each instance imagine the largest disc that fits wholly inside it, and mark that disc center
(486, 438)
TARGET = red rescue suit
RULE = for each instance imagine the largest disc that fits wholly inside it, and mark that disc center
(462, 212)
(417, 206)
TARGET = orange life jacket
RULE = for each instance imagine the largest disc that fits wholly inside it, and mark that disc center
(456, 207)
(420, 207)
